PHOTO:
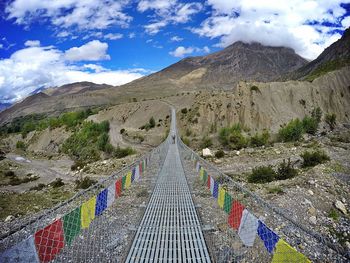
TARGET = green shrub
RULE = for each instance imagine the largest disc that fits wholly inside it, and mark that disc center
(310, 125)
(84, 183)
(84, 144)
(20, 145)
(237, 140)
(102, 141)
(286, 171)
(293, 131)
(311, 159)
(152, 122)
(331, 120)
(9, 173)
(184, 110)
(254, 88)
(232, 137)
(219, 154)
(38, 187)
(77, 165)
(262, 174)
(260, 139)
(317, 114)
(206, 142)
(122, 152)
(185, 140)
(57, 183)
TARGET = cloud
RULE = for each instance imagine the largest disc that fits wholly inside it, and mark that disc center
(167, 12)
(113, 36)
(303, 25)
(91, 51)
(32, 43)
(84, 15)
(176, 39)
(33, 67)
(181, 51)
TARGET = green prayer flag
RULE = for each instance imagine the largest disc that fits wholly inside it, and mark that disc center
(71, 225)
(228, 203)
(123, 182)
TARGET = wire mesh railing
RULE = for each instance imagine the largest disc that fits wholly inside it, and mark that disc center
(88, 227)
(255, 230)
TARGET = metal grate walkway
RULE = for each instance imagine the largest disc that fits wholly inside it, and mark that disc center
(170, 230)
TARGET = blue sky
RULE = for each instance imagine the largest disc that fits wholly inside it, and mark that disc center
(46, 43)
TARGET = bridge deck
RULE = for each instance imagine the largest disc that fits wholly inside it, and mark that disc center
(170, 230)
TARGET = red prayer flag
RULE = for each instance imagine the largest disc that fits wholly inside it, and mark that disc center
(208, 182)
(234, 219)
(118, 187)
(49, 241)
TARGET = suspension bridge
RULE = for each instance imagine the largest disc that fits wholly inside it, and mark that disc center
(86, 228)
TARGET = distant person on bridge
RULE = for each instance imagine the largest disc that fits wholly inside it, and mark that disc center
(173, 136)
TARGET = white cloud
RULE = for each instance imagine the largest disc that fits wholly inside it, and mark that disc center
(346, 22)
(84, 15)
(63, 34)
(1, 46)
(132, 35)
(32, 43)
(291, 23)
(176, 39)
(91, 51)
(181, 51)
(113, 36)
(167, 12)
(33, 67)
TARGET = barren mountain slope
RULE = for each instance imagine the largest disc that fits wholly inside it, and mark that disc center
(260, 105)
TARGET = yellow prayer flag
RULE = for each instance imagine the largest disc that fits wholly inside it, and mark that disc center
(221, 198)
(88, 212)
(285, 253)
(128, 180)
(201, 173)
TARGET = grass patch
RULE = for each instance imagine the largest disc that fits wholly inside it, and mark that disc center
(30, 202)
(122, 152)
(206, 142)
(255, 88)
(275, 190)
(232, 137)
(333, 214)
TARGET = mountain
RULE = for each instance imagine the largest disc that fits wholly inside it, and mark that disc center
(221, 70)
(333, 57)
(77, 87)
(225, 68)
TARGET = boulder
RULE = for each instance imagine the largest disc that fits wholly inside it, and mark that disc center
(207, 153)
(341, 207)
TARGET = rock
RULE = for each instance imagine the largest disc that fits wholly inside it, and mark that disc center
(104, 162)
(311, 182)
(207, 153)
(343, 200)
(347, 244)
(312, 211)
(9, 218)
(294, 148)
(277, 152)
(313, 220)
(341, 207)
(310, 192)
(238, 153)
